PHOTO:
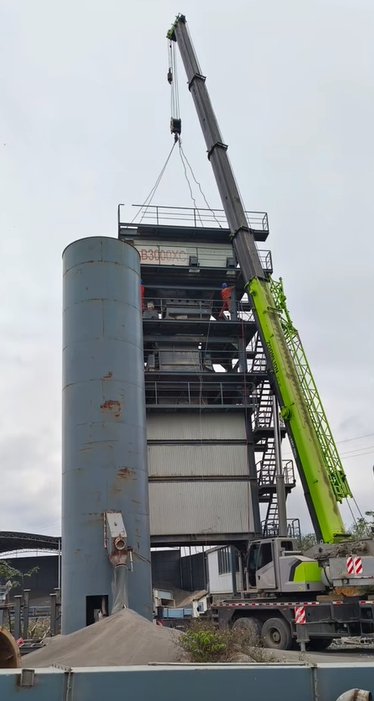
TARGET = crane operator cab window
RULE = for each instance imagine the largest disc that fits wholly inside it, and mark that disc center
(286, 546)
(252, 563)
(260, 554)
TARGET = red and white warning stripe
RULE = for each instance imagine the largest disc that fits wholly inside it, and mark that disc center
(349, 565)
(358, 565)
(280, 604)
(354, 565)
(274, 604)
(300, 615)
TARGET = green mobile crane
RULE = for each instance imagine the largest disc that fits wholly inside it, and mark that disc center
(319, 465)
(274, 567)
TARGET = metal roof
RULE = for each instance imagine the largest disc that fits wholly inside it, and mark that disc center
(13, 540)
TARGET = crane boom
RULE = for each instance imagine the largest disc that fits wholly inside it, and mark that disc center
(319, 465)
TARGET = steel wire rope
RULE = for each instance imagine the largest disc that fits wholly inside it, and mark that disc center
(147, 203)
(351, 510)
(199, 185)
(357, 507)
(174, 86)
(189, 184)
(173, 80)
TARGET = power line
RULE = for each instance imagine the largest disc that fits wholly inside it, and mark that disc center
(356, 438)
(358, 450)
(348, 440)
(360, 455)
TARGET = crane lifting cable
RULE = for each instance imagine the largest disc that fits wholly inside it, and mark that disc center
(186, 161)
(148, 200)
(172, 76)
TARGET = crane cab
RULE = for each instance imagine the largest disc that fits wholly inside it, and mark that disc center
(274, 565)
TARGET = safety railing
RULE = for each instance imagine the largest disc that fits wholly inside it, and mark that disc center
(206, 358)
(267, 476)
(197, 394)
(187, 216)
(271, 529)
(195, 309)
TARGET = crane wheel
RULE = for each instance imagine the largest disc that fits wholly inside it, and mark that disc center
(250, 628)
(276, 634)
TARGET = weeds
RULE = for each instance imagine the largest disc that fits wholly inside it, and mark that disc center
(204, 645)
(204, 642)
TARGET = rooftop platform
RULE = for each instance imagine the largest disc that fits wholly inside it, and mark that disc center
(190, 224)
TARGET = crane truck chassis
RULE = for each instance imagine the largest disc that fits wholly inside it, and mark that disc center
(280, 624)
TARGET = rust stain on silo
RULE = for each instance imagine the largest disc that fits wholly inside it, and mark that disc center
(125, 472)
(112, 405)
(108, 376)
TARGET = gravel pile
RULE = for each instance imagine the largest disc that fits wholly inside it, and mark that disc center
(122, 639)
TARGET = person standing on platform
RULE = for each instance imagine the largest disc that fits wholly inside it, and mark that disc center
(226, 299)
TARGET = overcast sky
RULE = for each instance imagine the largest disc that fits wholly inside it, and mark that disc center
(84, 125)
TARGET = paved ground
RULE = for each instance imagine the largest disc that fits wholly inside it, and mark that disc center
(346, 653)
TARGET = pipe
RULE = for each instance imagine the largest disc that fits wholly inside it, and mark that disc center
(356, 695)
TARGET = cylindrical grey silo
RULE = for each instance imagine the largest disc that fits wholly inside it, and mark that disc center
(104, 448)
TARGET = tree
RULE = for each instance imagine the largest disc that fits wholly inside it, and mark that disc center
(12, 575)
(307, 541)
(363, 527)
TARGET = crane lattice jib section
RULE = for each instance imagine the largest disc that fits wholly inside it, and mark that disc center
(318, 417)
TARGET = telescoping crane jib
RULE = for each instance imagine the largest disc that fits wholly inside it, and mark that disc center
(319, 465)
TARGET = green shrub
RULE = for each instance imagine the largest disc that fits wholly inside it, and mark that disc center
(203, 645)
(204, 642)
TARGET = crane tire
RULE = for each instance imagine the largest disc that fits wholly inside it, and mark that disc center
(250, 629)
(276, 634)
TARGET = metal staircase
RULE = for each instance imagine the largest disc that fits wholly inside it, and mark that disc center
(263, 431)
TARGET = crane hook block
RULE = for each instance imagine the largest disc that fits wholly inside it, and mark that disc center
(170, 76)
(176, 126)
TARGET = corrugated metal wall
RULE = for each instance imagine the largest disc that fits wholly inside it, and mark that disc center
(193, 508)
(197, 460)
(194, 572)
(195, 427)
(185, 455)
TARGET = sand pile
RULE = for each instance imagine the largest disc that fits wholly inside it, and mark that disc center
(123, 639)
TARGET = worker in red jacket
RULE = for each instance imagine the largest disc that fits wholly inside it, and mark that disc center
(142, 295)
(226, 299)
